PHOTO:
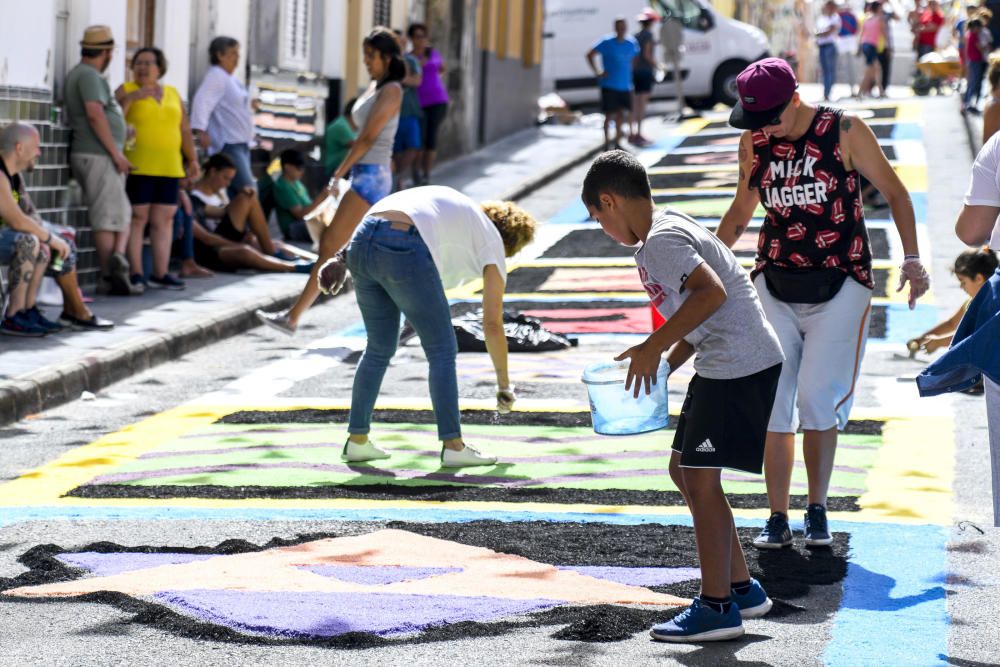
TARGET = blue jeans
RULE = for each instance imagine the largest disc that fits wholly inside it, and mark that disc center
(240, 155)
(974, 81)
(183, 245)
(394, 273)
(828, 63)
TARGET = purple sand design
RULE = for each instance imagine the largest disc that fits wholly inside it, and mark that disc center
(121, 478)
(376, 575)
(108, 564)
(637, 576)
(296, 615)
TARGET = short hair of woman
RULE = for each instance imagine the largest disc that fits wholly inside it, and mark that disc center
(219, 46)
(161, 60)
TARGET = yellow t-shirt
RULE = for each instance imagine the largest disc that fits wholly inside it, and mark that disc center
(157, 125)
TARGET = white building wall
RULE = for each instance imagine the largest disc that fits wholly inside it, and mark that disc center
(173, 36)
(27, 32)
(334, 38)
(83, 13)
(210, 19)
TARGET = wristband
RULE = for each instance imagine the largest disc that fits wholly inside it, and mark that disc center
(906, 257)
(46, 241)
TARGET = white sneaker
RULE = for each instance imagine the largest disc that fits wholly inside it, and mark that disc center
(277, 321)
(464, 458)
(354, 453)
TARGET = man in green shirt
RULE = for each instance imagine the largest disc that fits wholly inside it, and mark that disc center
(291, 199)
(338, 139)
(96, 156)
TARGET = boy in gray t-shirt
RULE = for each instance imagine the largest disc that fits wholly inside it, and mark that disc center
(712, 312)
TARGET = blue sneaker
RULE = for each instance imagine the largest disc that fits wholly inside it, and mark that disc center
(34, 315)
(754, 603)
(699, 623)
(20, 324)
(816, 530)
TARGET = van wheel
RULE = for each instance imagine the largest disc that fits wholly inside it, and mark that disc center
(724, 82)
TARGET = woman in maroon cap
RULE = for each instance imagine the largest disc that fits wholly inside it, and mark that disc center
(813, 270)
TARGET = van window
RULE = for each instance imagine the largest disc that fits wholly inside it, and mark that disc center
(688, 12)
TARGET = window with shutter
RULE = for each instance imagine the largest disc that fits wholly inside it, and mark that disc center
(383, 13)
(295, 34)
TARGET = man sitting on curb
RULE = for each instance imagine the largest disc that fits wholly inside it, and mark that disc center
(75, 313)
(24, 244)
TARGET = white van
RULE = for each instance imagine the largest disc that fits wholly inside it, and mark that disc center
(717, 48)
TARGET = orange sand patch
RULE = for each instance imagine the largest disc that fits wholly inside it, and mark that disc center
(484, 573)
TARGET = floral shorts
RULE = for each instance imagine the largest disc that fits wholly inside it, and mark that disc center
(372, 182)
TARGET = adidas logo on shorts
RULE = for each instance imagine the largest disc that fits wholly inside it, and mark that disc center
(705, 447)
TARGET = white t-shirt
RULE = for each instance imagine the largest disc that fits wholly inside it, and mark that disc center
(200, 200)
(462, 240)
(984, 187)
(824, 23)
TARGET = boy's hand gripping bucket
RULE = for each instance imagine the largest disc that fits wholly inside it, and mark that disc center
(615, 411)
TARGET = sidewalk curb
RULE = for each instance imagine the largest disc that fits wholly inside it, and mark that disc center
(52, 386)
(546, 177)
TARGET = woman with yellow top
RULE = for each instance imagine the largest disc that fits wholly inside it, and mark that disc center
(162, 139)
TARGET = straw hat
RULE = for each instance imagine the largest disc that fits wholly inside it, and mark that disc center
(97, 37)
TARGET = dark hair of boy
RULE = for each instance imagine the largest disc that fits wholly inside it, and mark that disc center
(616, 172)
(972, 263)
(293, 158)
(349, 106)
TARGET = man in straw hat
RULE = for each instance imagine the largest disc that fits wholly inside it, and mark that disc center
(96, 156)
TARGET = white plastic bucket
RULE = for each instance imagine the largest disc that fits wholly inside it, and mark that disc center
(615, 411)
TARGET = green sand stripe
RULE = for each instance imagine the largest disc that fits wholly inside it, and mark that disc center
(236, 453)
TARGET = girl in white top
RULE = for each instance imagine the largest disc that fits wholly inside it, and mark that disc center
(411, 247)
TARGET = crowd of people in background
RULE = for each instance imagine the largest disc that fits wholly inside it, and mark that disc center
(173, 197)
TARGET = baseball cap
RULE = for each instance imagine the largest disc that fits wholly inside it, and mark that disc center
(765, 88)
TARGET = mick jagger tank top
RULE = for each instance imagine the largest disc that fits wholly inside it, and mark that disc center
(815, 218)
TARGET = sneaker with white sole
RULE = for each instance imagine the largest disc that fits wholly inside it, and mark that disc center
(277, 321)
(776, 533)
(815, 528)
(464, 458)
(700, 623)
(355, 453)
(754, 603)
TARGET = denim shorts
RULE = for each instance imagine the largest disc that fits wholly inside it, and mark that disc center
(407, 134)
(870, 52)
(8, 239)
(371, 182)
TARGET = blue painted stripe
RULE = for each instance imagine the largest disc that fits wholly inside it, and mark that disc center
(907, 131)
(894, 609)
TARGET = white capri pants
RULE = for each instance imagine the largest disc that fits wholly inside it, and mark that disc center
(824, 344)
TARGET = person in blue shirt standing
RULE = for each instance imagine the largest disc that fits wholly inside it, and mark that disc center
(617, 52)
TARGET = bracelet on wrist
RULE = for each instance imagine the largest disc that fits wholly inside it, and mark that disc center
(46, 241)
(906, 257)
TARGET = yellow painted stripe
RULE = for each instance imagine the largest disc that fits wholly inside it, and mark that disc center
(913, 477)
